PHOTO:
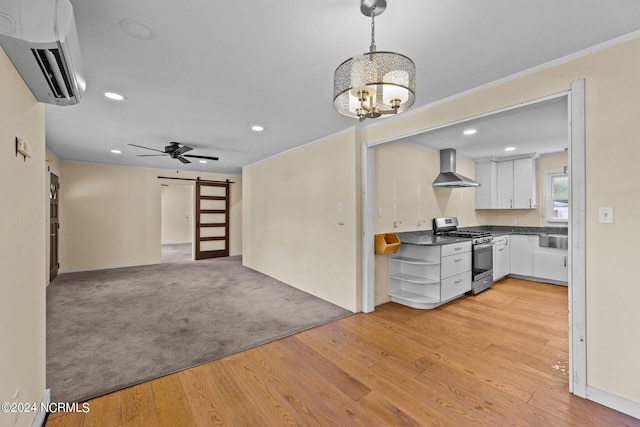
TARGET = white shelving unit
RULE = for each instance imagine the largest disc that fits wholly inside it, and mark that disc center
(417, 277)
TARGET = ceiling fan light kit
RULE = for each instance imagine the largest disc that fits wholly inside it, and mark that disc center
(374, 84)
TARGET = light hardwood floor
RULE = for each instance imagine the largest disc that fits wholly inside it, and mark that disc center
(499, 358)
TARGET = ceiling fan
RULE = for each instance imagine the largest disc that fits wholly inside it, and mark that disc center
(175, 151)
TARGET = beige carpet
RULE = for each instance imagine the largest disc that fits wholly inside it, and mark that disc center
(110, 329)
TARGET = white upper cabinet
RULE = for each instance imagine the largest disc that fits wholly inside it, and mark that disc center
(506, 184)
(487, 192)
(524, 183)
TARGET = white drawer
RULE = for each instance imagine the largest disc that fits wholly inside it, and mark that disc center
(454, 286)
(456, 248)
(501, 240)
(455, 264)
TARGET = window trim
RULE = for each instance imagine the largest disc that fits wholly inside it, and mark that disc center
(548, 174)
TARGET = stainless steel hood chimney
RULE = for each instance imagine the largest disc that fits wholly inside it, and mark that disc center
(448, 176)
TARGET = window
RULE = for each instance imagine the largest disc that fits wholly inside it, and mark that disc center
(556, 197)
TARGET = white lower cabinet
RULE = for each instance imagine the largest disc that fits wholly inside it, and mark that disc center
(424, 276)
(521, 253)
(551, 264)
(530, 260)
(501, 257)
(455, 286)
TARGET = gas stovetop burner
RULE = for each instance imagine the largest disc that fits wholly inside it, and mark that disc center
(476, 236)
(449, 227)
(468, 233)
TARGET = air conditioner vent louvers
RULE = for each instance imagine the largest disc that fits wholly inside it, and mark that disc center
(54, 71)
(44, 49)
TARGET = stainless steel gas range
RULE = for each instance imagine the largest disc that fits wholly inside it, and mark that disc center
(482, 250)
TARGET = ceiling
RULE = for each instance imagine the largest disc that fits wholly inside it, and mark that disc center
(213, 69)
(540, 128)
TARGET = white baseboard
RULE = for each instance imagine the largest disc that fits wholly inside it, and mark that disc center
(612, 401)
(39, 419)
(108, 268)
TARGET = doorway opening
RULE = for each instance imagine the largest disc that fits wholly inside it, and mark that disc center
(575, 117)
(176, 219)
(54, 225)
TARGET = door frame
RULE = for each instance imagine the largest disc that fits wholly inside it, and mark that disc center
(577, 225)
(187, 184)
(51, 171)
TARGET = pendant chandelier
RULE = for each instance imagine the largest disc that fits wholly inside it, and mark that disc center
(375, 83)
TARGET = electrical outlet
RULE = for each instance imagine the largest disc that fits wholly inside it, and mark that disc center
(339, 207)
(514, 220)
(605, 215)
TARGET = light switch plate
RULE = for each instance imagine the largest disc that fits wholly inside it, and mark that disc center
(605, 215)
(379, 212)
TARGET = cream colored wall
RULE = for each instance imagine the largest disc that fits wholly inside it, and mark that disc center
(52, 161)
(612, 150)
(403, 177)
(110, 215)
(525, 217)
(293, 231)
(176, 214)
(22, 245)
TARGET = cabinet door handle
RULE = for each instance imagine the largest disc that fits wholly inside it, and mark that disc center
(511, 202)
(565, 261)
(458, 281)
(530, 203)
(501, 249)
(458, 248)
(458, 260)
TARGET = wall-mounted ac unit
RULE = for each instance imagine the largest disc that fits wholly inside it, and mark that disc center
(41, 39)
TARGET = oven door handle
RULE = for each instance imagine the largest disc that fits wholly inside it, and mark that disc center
(484, 245)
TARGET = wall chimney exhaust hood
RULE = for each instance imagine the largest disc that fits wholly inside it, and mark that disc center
(448, 176)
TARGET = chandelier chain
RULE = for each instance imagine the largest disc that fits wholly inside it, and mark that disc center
(373, 29)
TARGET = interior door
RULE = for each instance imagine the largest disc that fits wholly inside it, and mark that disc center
(54, 226)
(212, 219)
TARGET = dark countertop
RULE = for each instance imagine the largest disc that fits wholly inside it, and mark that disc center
(499, 230)
(426, 237)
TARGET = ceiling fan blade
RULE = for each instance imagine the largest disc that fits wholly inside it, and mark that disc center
(183, 160)
(201, 157)
(150, 155)
(183, 149)
(146, 148)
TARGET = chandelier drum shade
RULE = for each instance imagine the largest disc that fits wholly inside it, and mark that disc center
(374, 83)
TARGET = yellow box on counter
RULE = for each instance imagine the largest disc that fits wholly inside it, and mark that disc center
(386, 243)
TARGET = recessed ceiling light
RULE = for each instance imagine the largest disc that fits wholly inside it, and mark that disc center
(257, 128)
(469, 131)
(203, 161)
(114, 96)
(510, 149)
(138, 29)
(116, 151)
